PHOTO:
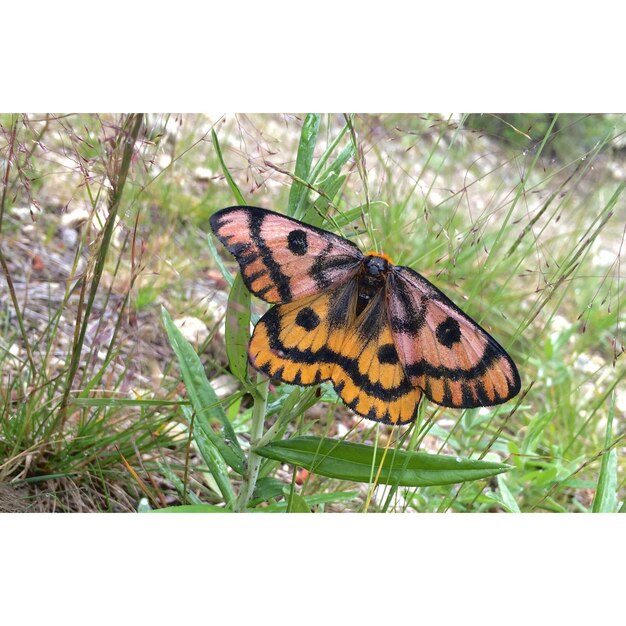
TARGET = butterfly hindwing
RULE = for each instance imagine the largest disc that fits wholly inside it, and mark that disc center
(444, 352)
(299, 342)
(321, 338)
(369, 376)
(282, 259)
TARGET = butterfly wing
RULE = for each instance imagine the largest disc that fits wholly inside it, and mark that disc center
(368, 374)
(444, 352)
(282, 259)
(321, 338)
(300, 342)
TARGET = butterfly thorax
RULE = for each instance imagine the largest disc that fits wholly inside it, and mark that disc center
(372, 276)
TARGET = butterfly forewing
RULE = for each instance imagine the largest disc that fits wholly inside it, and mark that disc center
(282, 259)
(444, 352)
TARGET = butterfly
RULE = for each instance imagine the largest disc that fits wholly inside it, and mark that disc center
(381, 333)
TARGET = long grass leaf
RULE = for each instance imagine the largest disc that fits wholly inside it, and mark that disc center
(212, 457)
(237, 331)
(306, 148)
(605, 498)
(203, 398)
(229, 179)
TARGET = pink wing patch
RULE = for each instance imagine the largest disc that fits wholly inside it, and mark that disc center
(282, 259)
(444, 352)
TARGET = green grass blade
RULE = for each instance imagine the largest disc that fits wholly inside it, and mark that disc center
(297, 504)
(228, 277)
(508, 500)
(212, 457)
(203, 398)
(229, 179)
(191, 508)
(354, 462)
(188, 496)
(308, 139)
(312, 500)
(238, 329)
(339, 162)
(605, 498)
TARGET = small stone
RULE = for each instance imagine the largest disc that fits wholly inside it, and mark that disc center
(193, 329)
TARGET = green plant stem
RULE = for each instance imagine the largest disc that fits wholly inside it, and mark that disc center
(256, 432)
(130, 137)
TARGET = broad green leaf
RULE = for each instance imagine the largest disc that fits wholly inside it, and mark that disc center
(238, 329)
(354, 461)
(329, 189)
(203, 398)
(349, 215)
(335, 167)
(306, 148)
(267, 488)
(338, 163)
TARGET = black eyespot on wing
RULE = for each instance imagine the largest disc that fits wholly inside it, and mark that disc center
(297, 242)
(448, 332)
(308, 319)
(387, 354)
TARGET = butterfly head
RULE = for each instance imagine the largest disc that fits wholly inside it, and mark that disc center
(376, 265)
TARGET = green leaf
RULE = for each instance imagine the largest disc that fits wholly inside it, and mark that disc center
(297, 504)
(306, 148)
(203, 398)
(211, 455)
(229, 179)
(508, 501)
(267, 488)
(169, 473)
(338, 163)
(329, 190)
(605, 498)
(228, 277)
(191, 508)
(349, 215)
(238, 329)
(355, 462)
(313, 500)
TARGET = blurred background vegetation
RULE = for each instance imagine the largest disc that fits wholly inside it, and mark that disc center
(520, 219)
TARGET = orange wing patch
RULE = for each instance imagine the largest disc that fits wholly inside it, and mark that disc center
(382, 334)
(298, 343)
(369, 376)
(321, 338)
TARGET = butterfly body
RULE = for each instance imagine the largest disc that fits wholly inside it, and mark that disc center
(381, 333)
